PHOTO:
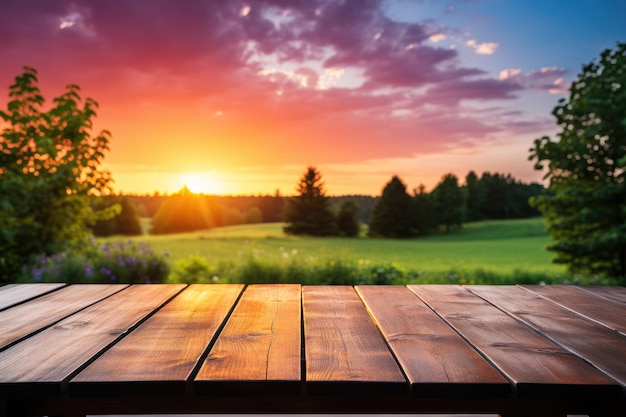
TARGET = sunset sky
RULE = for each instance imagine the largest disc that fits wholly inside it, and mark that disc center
(239, 97)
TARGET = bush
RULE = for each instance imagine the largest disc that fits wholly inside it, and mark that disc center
(195, 270)
(112, 262)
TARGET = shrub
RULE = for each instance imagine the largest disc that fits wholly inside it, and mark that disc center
(195, 270)
(112, 262)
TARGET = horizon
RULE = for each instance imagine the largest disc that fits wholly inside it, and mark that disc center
(239, 97)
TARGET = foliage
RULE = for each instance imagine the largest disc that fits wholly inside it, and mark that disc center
(309, 212)
(182, 212)
(448, 202)
(125, 222)
(111, 262)
(585, 210)
(392, 213)
(49, 166)
(348, 224)
(423, 211)
(193, 270)
(291, 267)
(253, 215)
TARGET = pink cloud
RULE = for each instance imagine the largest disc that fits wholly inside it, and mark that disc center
(214, 60)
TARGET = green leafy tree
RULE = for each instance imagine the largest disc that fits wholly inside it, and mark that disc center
(49, 167)
(348, 224)
(474, 197)
(125, 222)
(309, 212)
(423, 212)
(585, 210)
(449, 202)
(182, 212)
(253, 215)
(392, 216)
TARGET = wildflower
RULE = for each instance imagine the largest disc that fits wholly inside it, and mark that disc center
(37, 274)
(215, 278)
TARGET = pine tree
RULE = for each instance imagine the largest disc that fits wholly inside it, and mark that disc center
(348, 219)
(449, 202)
(392, 213)
(309, 212)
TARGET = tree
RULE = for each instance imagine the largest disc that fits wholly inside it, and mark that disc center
(423, 212)
(125, 222)
(182, 212)
(449, 202)
(348, 224)
(474, 197)
(309, 212)
(391, 216)
(49, 168)
(585, 210)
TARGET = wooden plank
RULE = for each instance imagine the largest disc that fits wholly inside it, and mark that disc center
(603, 347)
(604, 311)
(12, 294)
(615, 294)
(44, 362)
(436, 360)
(537, 366)
(345, 352)
(159, 356)
(259, 350)
(25, 319)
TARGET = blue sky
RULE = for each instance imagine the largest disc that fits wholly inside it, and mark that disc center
(242, 95)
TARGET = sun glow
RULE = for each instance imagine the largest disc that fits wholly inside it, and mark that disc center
(202, 183)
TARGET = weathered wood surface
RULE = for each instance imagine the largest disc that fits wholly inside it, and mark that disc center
(437, 361)
(45, 361)
(616, 294)
(12, 294)
(114, 349)
(165, 348)
(609, 313)
(259, 349)
(25, 319)
(344, 349)
(603, 347)
(536, 365)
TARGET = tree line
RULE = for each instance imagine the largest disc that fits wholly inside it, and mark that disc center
(398, 214)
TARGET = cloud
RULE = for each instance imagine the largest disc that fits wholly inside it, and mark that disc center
(264, 74)
(438, 37)
(548, 79)
(487, 48)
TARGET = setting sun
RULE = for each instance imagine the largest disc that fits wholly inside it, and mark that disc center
(202, 183)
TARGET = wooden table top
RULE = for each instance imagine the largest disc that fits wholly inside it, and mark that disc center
(292, 348)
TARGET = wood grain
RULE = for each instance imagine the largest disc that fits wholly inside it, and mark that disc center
(436, 360)
(43, 362)
(165, 348)
(606, 312)
(24, 319)
(12, 294)
(603, 347)
(537, 366)
(259, 349)
(345, 352)
(615, 294)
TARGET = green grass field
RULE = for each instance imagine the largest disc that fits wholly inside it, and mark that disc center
(498, 247)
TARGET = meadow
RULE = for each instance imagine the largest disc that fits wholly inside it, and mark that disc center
(510, 251)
